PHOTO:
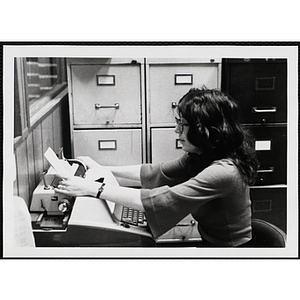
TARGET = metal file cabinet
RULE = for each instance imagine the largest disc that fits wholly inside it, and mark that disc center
(106, 107)
(167, 80)
(260, 88)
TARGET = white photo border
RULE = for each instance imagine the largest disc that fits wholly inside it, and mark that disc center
(154, 50)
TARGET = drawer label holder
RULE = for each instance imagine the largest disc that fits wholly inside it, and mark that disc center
(107, 144)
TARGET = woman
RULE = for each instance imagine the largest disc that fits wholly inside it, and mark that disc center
(210, 181)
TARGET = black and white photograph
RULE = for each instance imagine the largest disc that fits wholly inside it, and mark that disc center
(150, 151)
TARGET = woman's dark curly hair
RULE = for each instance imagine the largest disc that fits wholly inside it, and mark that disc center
(214, 126)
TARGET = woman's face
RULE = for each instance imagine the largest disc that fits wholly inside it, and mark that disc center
(182, 129)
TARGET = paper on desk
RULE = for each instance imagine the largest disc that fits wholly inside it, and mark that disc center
(58, 165)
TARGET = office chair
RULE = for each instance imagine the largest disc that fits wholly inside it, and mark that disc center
(265, 235)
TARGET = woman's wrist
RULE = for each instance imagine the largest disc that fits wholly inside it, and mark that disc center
(93, 189)
(100, 190)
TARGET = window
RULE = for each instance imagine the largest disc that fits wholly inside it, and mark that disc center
(37, 81)
(18, 119)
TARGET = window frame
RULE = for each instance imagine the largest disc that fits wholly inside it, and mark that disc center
(24, 120)
(32, 113)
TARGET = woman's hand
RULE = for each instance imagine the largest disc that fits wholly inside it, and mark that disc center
(77, 186)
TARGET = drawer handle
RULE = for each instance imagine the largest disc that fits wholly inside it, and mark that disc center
(98, 106)
(264, 110)
(192, 223)
(269, 170)
(174, 104)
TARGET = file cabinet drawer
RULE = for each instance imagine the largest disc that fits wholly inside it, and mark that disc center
(165, 145)
(260, 87)
(270, 205)
(109, 147)
(271, 149)
(106, 94)
(185, 231)
(169, 82)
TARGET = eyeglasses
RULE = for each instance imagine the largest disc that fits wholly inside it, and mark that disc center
(180, 124)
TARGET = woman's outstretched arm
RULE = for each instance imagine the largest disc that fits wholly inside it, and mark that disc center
(79, 187)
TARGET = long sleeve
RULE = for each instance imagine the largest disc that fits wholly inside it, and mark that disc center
(166, 173)
(166, 205)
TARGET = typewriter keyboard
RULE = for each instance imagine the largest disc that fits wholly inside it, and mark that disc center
(133, 217)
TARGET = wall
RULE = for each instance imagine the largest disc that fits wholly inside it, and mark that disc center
(52, 130)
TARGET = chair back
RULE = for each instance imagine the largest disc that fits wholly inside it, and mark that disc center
(265, 234)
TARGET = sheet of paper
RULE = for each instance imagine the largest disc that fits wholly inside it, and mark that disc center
(57, 164)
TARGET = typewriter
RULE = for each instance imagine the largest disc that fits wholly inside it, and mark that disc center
(60, 220)
(50, 209)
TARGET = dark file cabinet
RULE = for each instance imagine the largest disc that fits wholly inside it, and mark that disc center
(271, 148)
(260, 88)
(270, 204)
